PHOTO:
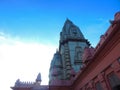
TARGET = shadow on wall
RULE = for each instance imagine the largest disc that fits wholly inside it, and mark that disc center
(116, 87)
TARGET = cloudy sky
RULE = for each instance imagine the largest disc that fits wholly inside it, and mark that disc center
(29, 33)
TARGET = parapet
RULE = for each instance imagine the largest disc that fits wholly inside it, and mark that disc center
(18, 83)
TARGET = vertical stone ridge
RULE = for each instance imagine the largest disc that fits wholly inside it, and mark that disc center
(67, 62)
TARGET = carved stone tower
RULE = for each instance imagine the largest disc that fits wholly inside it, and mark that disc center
(69, 57)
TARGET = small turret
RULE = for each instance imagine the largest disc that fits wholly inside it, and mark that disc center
(17, 82)
(38, 79)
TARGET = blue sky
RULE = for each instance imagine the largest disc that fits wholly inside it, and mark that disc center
(38, 19)
(29, 31)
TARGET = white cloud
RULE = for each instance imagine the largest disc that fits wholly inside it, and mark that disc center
(23, 60)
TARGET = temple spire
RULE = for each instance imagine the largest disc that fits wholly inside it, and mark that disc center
(70, 32)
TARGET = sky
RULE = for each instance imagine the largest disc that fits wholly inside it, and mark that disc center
(29, 33)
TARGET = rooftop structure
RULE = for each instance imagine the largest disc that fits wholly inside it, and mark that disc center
(79, 66)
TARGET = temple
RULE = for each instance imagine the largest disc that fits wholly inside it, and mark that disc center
(76, 65)
(67, 61)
